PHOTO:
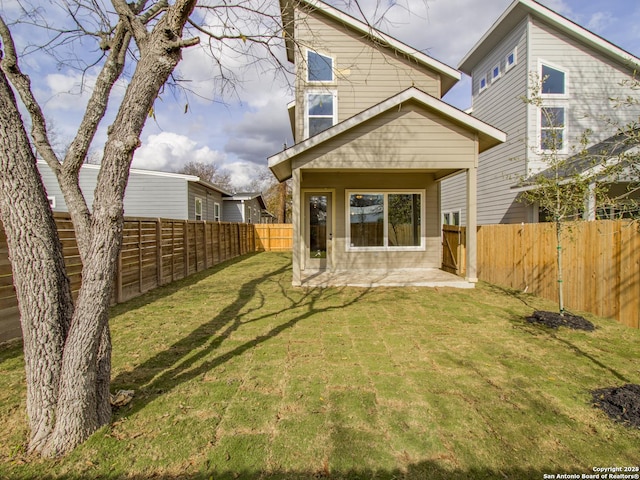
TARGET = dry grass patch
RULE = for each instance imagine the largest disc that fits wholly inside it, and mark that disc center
(239, 375)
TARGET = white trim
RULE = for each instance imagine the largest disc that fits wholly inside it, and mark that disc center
(385, 213)
(197, 200)
(368, 30)
(396, 101)
(52, 201)
(216, 217)
(334, 115)
(333, 68)
(560, 96)
(565, 129)
(495, 78)
(513, 52)
(482, 88)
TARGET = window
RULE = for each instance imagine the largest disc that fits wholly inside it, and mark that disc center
(483, 83)
(321, 112)
(52, 201)
(216, 212)
(553, 81)
(552, 128)
(319, 67)
(495, 73)
(198, 208)
(385, 220)
(510, 60)
(451, 218)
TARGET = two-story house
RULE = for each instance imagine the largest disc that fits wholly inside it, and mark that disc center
(579, 72)
(373, 140)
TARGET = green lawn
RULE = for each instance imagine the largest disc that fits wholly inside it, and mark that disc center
(239, 375)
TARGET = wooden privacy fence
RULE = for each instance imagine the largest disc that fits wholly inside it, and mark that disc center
(274, 237)
(154, 252)
(601, 262)
(454, 253)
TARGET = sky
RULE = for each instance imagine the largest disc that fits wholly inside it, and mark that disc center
(239, 129)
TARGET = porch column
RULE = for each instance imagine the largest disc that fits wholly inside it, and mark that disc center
(472, 205)
(590, 203)
(296, 218)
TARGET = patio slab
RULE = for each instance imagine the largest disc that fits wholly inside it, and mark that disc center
(415, 277)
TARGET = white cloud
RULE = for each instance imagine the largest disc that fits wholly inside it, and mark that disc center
(168, 152)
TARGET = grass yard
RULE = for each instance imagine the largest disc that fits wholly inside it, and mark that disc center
(238, 375)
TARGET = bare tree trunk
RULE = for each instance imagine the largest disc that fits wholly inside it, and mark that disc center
(39, 275)
(282, 202)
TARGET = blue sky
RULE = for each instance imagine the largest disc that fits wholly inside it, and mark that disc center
(238, 132)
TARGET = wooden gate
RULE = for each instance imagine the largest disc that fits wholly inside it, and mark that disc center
(454, 252)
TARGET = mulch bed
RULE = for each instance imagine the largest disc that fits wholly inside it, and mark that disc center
(622, 404)
(555, 320)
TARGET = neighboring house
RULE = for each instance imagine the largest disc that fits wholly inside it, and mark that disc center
(581, 73)
(373, 139)
(149, 194)
(244, 208)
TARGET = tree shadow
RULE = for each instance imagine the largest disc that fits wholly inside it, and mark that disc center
(175, 365)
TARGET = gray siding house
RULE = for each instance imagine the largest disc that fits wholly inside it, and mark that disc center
(582, 72)
(244, 208)
(149, 194)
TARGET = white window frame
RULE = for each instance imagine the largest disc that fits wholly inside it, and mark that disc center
(507, 65)
(564, 95)
(565, 129)
(197, 200)
(494, 77)
(52, 201)
(386, 247)
(486, 84)
(333, 68)
(450, 215)
(216, 212)
(334, 115)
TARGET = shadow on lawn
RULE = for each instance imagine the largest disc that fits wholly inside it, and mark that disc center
(416, 471)
(175, 365)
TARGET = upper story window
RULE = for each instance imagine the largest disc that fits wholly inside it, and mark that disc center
(319, 67)
(510, 60)
(321, 112)
(552, 129)
(553, 81)
(495, 73)
(483, 83)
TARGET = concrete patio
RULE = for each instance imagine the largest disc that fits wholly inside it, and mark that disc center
(418, 277)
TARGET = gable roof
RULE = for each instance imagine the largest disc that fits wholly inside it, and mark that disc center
(488, 136)
(449, 76)
(518, 11)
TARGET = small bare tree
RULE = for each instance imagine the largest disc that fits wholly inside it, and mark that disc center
(575, 183)
(208, 172)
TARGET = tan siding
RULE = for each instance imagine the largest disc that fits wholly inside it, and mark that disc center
(366, 75)
(400, 139)
(341, 182)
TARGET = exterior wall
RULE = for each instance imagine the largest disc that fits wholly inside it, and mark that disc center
(340, 182)
(232, 211)
(406, 138)
(208, 197)
(591, 80)
(365, 76)
(402, 149)
(252, 210)
(147, 194)
(499, 168)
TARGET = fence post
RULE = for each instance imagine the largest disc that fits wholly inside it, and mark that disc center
(185, 236)
(158, 252)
